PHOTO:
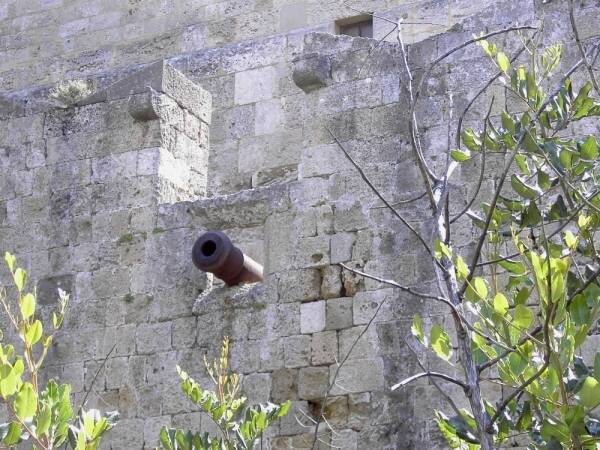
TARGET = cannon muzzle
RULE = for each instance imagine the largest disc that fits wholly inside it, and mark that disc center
(214, 252)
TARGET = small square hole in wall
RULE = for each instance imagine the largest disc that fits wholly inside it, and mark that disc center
(357, 26)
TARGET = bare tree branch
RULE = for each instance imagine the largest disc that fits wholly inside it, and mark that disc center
(443, 376)
(443, 393)
(426, 172)
(378, 194)
(588, 66)
(460, 47)
(399, 286)
(482, 171)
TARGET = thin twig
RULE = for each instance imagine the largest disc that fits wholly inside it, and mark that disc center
(378, 194)
(411, 291)
(397, 285)
(460, 47)
(443, 376)
(588, 66)
(403, 202)
(494, 201)
(94, 379)
(459, 132)
(426, 173)
(482, 171)
(443, 393)
(337, 371)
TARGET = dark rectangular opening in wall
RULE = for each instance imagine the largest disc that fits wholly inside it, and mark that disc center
(357, 26)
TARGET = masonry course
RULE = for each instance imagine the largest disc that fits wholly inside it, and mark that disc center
(105, 199)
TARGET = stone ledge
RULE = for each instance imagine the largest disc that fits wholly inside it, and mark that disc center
(160, 77)
(238, 297)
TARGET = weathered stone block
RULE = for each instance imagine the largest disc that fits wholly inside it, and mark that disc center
(338, 313)
(313, 252)
(255, 85)
(313, 382)
(358, 375)
(331, 286)
(312, 317)
(366, 305)
(116, 372)
(257, 387)
(284, 385)
(296, 351)
(271, 354)
(184, 332)
(268, 117)
(153, 337)
(292, 16)
(366, 344)
(324, 348)
(303, 284)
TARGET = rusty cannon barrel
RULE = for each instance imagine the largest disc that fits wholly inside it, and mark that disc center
(214, 252)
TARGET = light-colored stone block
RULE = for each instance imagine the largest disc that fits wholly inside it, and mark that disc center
(268, 116)
(312, 317)
(255, 85)
(324, 348)
(358, 375)
(292, 16)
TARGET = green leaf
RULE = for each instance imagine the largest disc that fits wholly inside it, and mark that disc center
(34, 333)
(442, 249)
(27, 306)
(589, 148)
(550, 58)
(523, 317)
(522, 296)
(11, 261)
(531, 216)
(462, 270)
(43, 420)
(524, 190)
(471, 141)
(515, 267)
(517, 363)
(580, 313)
(9, 379)
(589, 394)
(597, 366)
(478, 290)
(26, 402)
(508, 123)
(57, 320)
(503, 61)
(460, 155)
(570, 240)
(500, 304)
(284, 408)
(13, 436)
(558, 209)
(20, 278)
(417, 329)
(440, 342)
(521, 161)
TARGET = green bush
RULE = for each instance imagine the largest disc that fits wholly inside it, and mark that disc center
(240, 427)
(43, 416)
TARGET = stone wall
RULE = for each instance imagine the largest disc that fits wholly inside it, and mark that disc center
(106, 198)
(44, 41)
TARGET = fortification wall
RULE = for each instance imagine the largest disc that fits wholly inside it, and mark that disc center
(44, 41)
(105, 199)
